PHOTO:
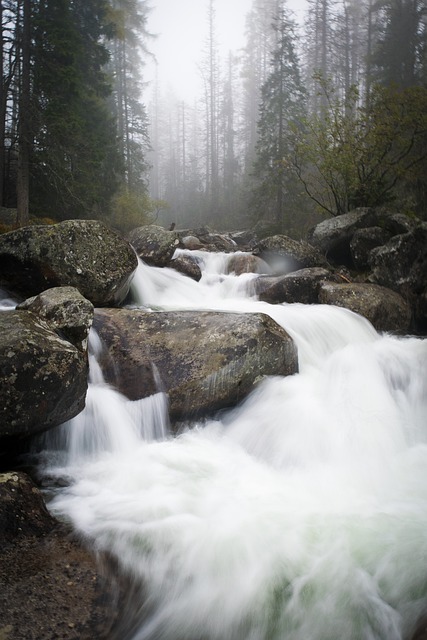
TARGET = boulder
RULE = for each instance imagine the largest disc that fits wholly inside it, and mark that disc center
(66, 311)
(333, 236)
(187, 265)
(207, 360)
(207, 239)
(81, 253)
(245, 238)
(397, 223)
(43, 377)
(154, 244)
(284, 255)
(401, 265)
(385, 309)
(300, 286)
(192, 243)
(240, 263)
(362, 243)
(50, 586)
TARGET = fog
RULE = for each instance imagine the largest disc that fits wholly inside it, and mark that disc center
(181, 31)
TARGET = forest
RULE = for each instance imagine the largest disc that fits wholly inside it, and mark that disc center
(304, 121)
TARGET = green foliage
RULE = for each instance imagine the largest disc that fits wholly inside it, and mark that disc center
(131, 209)
(352, 156)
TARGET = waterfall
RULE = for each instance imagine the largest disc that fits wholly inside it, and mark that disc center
(299, 515)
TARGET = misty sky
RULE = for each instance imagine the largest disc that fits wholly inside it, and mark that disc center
(181, 29)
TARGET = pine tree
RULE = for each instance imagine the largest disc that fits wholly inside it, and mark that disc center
(74, 160)
(399, 56)
(127, 49)
(282, 109)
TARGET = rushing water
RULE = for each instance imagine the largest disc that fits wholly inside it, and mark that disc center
(301, 515)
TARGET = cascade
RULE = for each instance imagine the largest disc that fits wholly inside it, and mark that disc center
(300, 514)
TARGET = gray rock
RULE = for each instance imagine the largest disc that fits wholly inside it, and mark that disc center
(206, 238)
(67, 312)
(192, 243)
(240, 263)
(207, 360)
(50, 585)
(300, 286)
(362, 243)
(333, 236)
(386, 310)
(397, 223)
(245, 238)
(285, 255)
(43, 378)
(401, 265)
(188, 266)
(154, 244)
(81, 253)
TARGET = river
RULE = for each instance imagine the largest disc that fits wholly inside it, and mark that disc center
(299, 515)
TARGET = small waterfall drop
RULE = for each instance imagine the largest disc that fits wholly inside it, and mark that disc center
(110, 422)
(301, 514)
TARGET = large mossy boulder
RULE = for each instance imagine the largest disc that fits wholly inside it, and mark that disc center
(50, 586)
(43, 377)
(207, 360)
(385, 309)
(81, 253)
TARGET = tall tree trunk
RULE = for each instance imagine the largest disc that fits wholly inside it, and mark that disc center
(23, 177)
(369, 57)
(2, 109)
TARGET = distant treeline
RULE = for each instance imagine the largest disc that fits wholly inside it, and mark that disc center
(326, 116)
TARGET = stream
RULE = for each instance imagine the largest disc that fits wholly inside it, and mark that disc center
(301, 514)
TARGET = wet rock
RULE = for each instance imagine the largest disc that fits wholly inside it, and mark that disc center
(22, 508)
(401, 265)
(192, 243)
(333, 236)
(245, 238)
(154, 244)
(188, 266)
(246, 263)
(385, 309)
(284, 255)
(43, 377)
(299, 286)
(81, 253)
(207, 360)
(50, 586)
(207, 239)
(66, 311)
(397, 223)
(362, 243)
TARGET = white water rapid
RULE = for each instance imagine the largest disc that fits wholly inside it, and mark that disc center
(301, 515)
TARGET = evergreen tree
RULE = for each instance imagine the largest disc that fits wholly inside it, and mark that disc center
(75, 160)
(127, 50)
(281, 110)
(399, 56)
(257, 54)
